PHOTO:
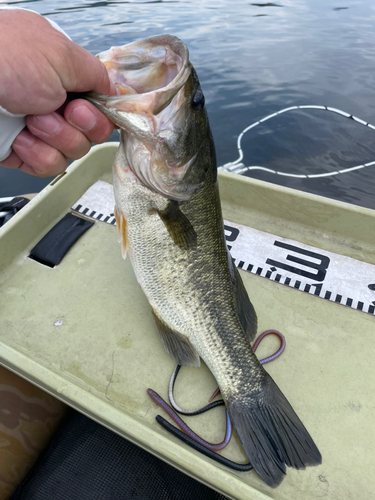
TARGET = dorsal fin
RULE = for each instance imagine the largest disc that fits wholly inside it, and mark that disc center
(245, 309)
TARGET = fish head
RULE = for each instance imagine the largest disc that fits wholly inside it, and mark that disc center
(161, 112)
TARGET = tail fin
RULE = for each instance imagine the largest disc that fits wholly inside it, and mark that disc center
(271, 433)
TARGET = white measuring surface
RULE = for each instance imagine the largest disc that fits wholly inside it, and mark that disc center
(333, 277)
(97, 202)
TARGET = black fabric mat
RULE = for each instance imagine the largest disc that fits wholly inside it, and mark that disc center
(86, 461)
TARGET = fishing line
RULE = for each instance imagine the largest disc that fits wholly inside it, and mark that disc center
(237, 167)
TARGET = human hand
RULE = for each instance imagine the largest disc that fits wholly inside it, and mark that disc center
(41, 66)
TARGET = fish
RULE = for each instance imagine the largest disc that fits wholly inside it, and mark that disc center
(170, 223)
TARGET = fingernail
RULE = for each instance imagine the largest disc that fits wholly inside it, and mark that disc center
(82, 118)
(48, 124)
(24, 140)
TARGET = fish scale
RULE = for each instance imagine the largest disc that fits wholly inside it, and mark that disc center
(169, 217)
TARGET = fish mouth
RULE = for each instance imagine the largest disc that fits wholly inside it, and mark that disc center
(148, 74)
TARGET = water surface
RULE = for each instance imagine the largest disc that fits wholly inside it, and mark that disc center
(254, 59)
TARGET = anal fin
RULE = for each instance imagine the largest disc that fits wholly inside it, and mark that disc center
(178, 226)
(122, 229)
(177, 345)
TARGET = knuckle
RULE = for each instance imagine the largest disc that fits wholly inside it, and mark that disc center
(102, 130)
(78, 147)
(53, 163)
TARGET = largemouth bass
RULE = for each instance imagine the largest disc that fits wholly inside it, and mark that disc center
(169, 219)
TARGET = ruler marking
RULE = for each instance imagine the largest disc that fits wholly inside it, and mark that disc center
(281, 253)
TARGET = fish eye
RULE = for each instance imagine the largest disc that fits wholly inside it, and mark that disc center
(197, 103)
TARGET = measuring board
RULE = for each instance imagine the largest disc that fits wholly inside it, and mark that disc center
(327, 275)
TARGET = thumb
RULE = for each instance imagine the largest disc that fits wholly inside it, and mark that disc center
(86, 73)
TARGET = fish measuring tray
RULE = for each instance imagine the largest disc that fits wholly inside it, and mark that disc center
(83, 331)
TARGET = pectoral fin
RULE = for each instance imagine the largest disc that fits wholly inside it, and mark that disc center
(122, 232)
(178, 226)
(177, 346)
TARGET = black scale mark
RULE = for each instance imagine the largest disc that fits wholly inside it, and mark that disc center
(318, 288)
(320, 267)
(234, 232)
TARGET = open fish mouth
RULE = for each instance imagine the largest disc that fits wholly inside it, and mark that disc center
(154, 82)
(147, 74)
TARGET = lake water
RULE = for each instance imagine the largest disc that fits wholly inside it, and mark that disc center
(254, 59)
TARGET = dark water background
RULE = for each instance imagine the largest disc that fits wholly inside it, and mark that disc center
(254, 59)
